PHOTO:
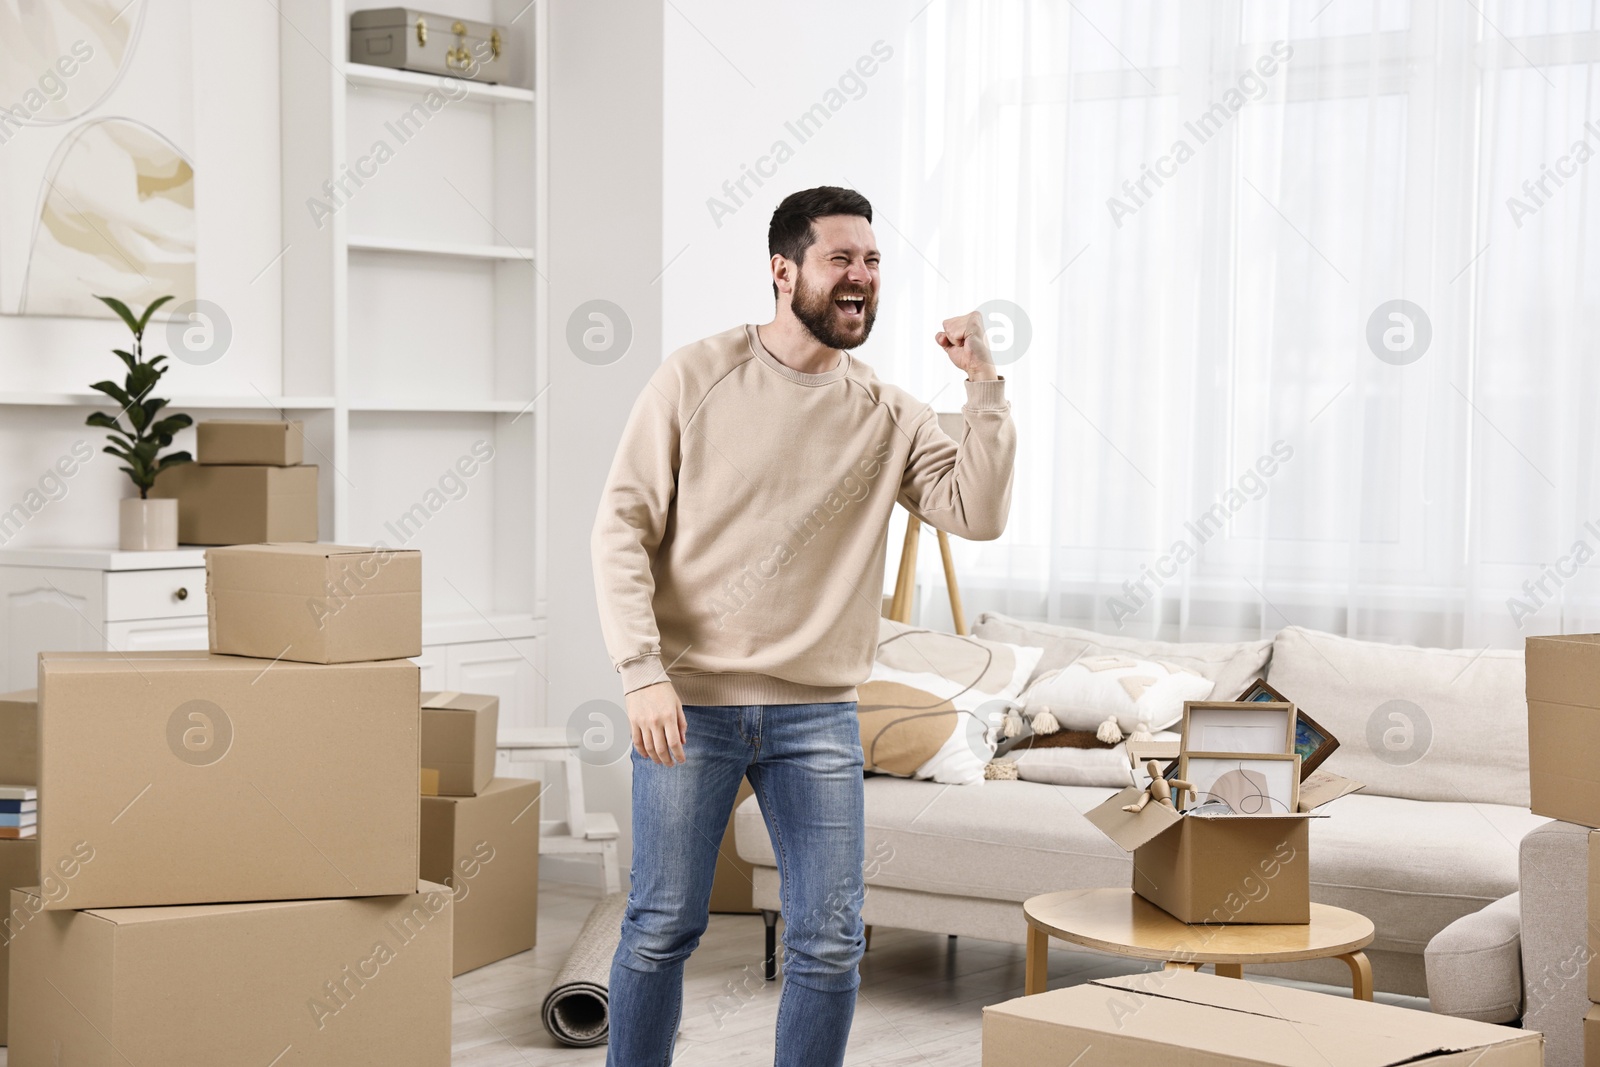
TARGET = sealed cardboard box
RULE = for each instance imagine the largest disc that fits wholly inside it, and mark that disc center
(19, 866)
(241, 505)
(315, 982)
(1591, 1036)
(19, 738)
(1214, 868)
(458, 736)
(254, 442)
(315, 603)
(1564, 727)
(733, 887)
(196, 778)
(1184, 1019)
(486, 849)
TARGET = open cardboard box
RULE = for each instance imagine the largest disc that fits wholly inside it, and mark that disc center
(1222, 868)
(1182, 1019)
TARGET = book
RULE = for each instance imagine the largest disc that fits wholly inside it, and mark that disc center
(21, 818)
(16, 832)
(18, 792)
(18, 805)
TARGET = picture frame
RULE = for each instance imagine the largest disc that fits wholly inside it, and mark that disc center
(1312, 741)
(1250, 784)
(1238, 726)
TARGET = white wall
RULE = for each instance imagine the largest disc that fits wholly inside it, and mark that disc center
(605, 143)
(236, 122)
(735, 73)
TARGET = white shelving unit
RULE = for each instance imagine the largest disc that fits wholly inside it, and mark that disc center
(414, 214)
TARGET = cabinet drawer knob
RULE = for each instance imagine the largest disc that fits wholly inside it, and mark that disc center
(182, 593)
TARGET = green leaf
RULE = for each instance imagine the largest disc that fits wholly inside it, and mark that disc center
(127, 358)
(122, 312)
(144, 320)
(176, 459)
(136, 416)
(170, 425)
(114, 391)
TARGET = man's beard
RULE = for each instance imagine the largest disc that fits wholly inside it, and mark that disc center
(819, 314)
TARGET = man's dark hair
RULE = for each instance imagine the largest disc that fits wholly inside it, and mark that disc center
(790, 233)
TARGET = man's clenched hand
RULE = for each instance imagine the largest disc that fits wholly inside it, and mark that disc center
(964, 341)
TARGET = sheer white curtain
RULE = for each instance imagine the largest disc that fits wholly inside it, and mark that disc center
(1209, 213)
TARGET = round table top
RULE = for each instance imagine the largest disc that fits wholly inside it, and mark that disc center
(1122, 922)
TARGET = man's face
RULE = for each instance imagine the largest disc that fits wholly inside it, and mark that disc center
(836, 288)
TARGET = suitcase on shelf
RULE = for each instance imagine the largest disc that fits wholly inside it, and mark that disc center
(404, 38)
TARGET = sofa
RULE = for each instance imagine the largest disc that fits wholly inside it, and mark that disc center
(1438, 736)
(1526, 955)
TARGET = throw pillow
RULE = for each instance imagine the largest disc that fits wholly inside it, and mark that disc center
(1443, 724)
(1086, 761)
(1115, 695)
(1232, 665)
(932, 705)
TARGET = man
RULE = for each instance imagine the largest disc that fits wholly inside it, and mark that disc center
(738, 556)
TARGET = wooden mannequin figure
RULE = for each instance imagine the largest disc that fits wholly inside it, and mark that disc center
(1159, 789)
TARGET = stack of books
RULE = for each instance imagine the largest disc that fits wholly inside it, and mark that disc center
(19, 811)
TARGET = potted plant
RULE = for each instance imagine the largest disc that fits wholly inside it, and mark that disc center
(142, 523)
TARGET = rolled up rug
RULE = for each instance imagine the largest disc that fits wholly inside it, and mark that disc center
(575, 1011)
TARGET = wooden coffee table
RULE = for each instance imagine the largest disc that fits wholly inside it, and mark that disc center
(1121, 922)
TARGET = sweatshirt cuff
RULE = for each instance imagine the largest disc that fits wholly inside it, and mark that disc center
(641, 671)
(986, 395)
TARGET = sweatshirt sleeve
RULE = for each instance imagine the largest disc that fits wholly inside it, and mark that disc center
(628, 528)
(964, 488)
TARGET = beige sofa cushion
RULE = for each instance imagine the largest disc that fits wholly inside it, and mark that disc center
(1009, 840)
(1232, 665)
(1421, 723)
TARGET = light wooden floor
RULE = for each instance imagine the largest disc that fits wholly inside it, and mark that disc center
(920, 1003)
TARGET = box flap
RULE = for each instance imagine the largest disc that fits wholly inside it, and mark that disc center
(1128, 830)
(1323, 787)
(450, 700)
(1205, 1019)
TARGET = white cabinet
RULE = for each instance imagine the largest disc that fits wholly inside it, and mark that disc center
(89, 600)
(101, 600)
(509, 668)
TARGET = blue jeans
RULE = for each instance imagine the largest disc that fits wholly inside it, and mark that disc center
(804, 762)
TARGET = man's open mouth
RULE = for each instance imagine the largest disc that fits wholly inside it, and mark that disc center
(851, 304)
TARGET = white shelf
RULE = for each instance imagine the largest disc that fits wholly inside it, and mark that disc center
(177, 403)
(443, 407)
(439, 248)
(103, 559)
(406, 81)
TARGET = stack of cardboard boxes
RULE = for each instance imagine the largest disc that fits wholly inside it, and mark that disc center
(229, 846)
(249, 485)
(1563, 779)
(480, 834)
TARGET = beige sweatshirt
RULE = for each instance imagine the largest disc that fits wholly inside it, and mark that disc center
(739, 546)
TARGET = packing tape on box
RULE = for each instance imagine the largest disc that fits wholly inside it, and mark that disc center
(430, 782)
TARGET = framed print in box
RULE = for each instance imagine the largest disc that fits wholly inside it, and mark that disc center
(1313, 743)
(1238, 726)
(1243, 783)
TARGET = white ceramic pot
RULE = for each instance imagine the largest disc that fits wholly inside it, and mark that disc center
(147, 525)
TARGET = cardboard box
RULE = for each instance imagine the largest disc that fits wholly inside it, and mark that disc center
(19, 738)
(733, 887)
(486, 849)
(1564, 727)
(1212, 868)
(254, 442)
(19, 866)
(1591, 1036)
(458, 736)
(192, 778)
(315, 603)
(1184, 1019)
(241, 505)
(318, 982)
